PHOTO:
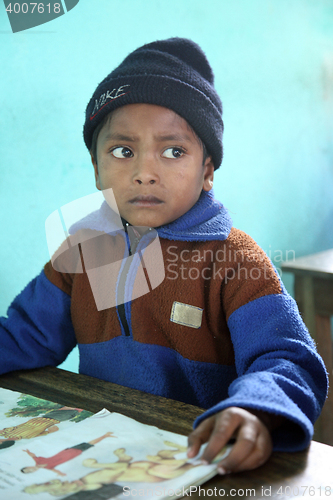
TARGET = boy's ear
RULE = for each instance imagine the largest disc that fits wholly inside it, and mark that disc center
(93, 161)
(208, 174)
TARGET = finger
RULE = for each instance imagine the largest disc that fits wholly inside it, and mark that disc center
(253, 447)
(242, 450)
(226, 424)
(200, 436)
(259, 455)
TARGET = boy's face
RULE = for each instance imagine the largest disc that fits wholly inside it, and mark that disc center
(153, 162)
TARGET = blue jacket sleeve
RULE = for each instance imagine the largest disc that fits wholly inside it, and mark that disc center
(279, 370)
(38, 330)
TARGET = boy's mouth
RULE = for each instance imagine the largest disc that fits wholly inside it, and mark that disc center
(145, 201)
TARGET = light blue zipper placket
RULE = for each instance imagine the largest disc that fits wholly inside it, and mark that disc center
(127, 253)
(138, 258)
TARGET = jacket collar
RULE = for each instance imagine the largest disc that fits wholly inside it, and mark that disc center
(207, 220)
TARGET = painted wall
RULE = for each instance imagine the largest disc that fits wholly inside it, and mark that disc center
(273, 63)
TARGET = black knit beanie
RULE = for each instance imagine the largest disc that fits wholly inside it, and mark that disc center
(173, 73)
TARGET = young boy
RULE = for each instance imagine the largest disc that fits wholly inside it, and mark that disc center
(220, 330)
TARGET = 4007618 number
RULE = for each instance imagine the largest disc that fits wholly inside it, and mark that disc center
(30, 8)
(307, 491)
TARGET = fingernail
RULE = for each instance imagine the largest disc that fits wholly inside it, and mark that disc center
(204, 462)
(221, 470)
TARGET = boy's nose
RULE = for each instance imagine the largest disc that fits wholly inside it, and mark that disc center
(146, 171)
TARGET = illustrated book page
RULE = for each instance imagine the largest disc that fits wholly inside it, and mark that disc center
(106, 455)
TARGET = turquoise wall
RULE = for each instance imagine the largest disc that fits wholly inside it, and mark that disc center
(273, 63)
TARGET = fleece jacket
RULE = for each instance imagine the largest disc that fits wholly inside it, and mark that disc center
(215, 327)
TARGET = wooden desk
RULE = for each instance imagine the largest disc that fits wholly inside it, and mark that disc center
(284, 476)
(314, 296)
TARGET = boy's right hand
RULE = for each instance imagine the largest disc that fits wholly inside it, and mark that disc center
(253, 444)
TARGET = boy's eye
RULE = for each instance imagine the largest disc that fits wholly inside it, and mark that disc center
(122, 152)
(173, 153)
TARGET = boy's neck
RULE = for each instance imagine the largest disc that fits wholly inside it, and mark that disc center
(134, 233)
(141, 230)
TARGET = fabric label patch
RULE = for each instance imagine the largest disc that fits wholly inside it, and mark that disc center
(186, 315)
